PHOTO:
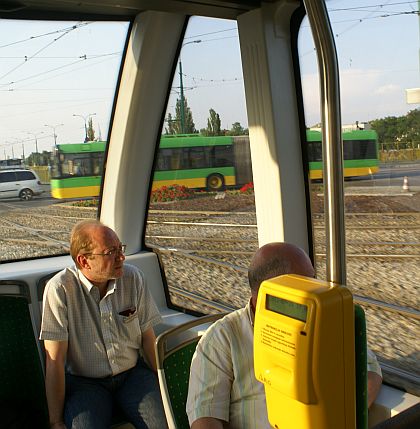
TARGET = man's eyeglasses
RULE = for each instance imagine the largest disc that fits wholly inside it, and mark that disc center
(112, 252)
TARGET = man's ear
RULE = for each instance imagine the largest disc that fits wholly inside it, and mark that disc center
(83, 261)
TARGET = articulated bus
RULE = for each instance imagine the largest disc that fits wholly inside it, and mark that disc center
(278, 67)
(199, 162)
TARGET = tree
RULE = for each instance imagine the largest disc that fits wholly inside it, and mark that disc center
(39, 159)
(213, 124)
(237, 130)
(170, 129)
(175, 124)
(90, 131)
(402, 129)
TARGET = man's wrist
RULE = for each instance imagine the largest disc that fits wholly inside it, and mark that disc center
(57, 424)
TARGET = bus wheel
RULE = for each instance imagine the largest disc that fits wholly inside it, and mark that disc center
(26, 194)
(215, 182)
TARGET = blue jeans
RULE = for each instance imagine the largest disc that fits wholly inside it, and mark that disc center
(90, 402)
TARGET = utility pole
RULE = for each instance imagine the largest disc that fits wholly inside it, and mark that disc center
(85, 118)
(181, 87)
(54, 128)
(182, 98)
(35, 158)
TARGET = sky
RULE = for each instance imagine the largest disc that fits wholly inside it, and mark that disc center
(54, 76)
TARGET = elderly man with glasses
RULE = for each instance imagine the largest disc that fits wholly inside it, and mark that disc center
(97, 327)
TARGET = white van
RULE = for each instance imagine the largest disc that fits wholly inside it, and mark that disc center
(19, 183)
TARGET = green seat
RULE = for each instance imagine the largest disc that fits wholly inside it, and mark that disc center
(173, 355)
(361, 367)
(22, 390)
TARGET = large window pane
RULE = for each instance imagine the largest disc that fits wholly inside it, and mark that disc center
(200, 222)
(57, 84)
(378, 55)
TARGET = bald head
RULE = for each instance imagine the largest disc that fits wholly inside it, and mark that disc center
(276, 259)
(81, 237)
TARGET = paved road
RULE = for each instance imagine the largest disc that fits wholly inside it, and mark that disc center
(391, 175)
(44, 199)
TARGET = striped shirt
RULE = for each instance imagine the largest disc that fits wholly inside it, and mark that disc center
(222, 381)
(101, 340)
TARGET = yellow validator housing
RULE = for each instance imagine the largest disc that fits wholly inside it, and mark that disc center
(304, 353)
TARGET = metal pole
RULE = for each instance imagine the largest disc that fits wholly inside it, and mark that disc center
(332, 145)
(181, 86)
(36, 160)
(182, 99)
(54, 134)
(85, 118)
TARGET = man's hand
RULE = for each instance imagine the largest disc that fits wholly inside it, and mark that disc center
(207, 423)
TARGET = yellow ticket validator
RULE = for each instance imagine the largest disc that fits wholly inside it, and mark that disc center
(304, 353)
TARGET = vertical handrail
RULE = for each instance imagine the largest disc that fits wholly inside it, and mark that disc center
(332, 146)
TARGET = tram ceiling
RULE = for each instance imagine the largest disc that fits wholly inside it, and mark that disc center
(55, 9)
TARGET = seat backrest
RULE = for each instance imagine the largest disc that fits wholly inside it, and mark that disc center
(408, 419)
(173, 363)
(360, 349)
(21, 376)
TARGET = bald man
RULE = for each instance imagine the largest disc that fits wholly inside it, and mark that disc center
(223, 390)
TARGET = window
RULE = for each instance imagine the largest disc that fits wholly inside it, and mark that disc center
(7, 177)
(25, 175)
(57, 78)
(223, 156)
(196, 187)
(378, 63)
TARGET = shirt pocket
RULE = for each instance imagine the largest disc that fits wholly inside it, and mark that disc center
(129, 329)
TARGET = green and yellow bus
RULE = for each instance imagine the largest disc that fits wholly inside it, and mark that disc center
(77, 170)
(360, 153)
(199, 162)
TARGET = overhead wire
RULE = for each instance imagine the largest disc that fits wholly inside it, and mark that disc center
(64, 73)
(82, 24)
(211, 32)
(27, 59)
(372, 5)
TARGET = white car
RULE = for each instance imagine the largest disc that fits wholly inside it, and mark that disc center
(19, 183)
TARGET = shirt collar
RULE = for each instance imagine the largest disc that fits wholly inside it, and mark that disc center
(250, 312)
(86, 283)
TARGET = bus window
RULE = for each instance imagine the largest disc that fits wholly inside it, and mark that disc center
(197, 185)
(380, 151)
(223, 156)
(59, 80)
(197, 158)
